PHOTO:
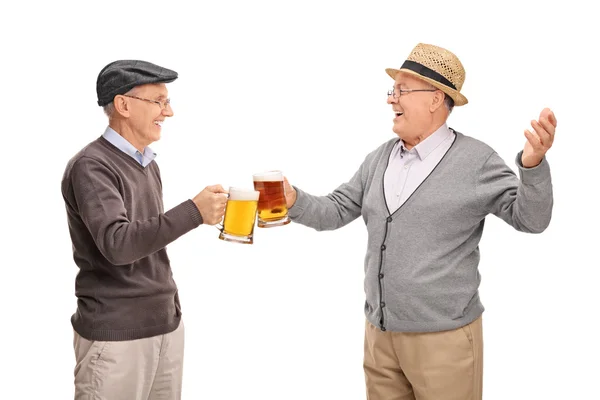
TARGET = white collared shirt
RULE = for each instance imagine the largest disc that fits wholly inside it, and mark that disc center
(122, 144)
(407, 169)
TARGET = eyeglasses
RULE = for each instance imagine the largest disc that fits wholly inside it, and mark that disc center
(404, 91)
(162, 104)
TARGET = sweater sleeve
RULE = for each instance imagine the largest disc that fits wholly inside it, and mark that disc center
(101, 208)
(525, 203)
(333, 211)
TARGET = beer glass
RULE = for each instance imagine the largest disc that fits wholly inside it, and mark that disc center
(240, 216)
(272, 208)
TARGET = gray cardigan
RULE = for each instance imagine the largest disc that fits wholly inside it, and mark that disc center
(421, 266)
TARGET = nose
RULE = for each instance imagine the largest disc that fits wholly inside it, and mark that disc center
(168, 112)
(391, 99)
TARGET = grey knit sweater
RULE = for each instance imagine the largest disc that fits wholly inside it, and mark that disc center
(421, 266)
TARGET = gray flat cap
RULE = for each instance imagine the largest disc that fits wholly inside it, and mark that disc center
(121, 76)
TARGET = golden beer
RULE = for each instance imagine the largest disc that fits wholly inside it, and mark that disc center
(240, 216)
(272, 208)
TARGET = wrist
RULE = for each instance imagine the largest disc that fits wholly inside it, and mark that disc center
(530, 162)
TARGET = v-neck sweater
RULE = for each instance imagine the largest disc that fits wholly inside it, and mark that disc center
(119, 230)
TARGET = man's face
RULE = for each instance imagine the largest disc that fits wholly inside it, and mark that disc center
(412, 110)
(146, 118)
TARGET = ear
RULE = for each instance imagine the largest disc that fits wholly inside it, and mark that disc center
(437, 101)
(121, 105)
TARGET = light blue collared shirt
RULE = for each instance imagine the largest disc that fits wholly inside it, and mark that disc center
(407, 169)
(122, 144)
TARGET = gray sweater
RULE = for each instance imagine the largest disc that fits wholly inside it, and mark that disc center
(421, 266)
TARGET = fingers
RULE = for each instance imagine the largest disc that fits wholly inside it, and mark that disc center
(211, 203)
(216, 189)
(287, 187)
(532, 138)
(540, 132)
(548, 125)
(549, 115)
(535, 142)
(545, 132)
(215, 210)
(552, 119)
(547, 122)
(545, 113)
(218, 203)
(290, 193)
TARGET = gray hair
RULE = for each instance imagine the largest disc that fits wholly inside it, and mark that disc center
(109, 109)
(448, 102)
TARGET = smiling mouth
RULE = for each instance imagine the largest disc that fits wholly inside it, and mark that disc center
(158, 123)
(398, 114)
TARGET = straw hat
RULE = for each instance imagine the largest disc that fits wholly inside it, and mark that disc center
(436, 66)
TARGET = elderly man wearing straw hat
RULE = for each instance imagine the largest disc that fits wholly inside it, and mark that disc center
(424, 197)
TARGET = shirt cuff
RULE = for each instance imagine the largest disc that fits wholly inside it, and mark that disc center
(300, 204)
(533, 175)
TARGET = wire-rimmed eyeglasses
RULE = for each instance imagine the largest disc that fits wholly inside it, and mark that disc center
(162, 104)
(396, 95)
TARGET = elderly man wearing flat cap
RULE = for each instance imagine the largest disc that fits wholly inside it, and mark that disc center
(424, 197)
(129, 337)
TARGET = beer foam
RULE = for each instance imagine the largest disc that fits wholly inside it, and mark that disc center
(243, 194)
(268, 176)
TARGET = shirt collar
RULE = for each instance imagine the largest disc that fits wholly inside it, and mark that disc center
(122, 144)
(424, 148)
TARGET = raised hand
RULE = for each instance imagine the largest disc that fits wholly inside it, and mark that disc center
(540, 140)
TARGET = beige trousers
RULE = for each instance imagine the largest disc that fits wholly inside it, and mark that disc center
(142, 369)
(424, 366)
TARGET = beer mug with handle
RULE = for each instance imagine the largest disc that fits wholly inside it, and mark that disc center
(240, 216)
(272, 208)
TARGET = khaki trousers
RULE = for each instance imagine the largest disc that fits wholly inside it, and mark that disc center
(424, 366)
(142, 369)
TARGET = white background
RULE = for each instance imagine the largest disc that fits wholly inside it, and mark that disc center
(298, 86)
